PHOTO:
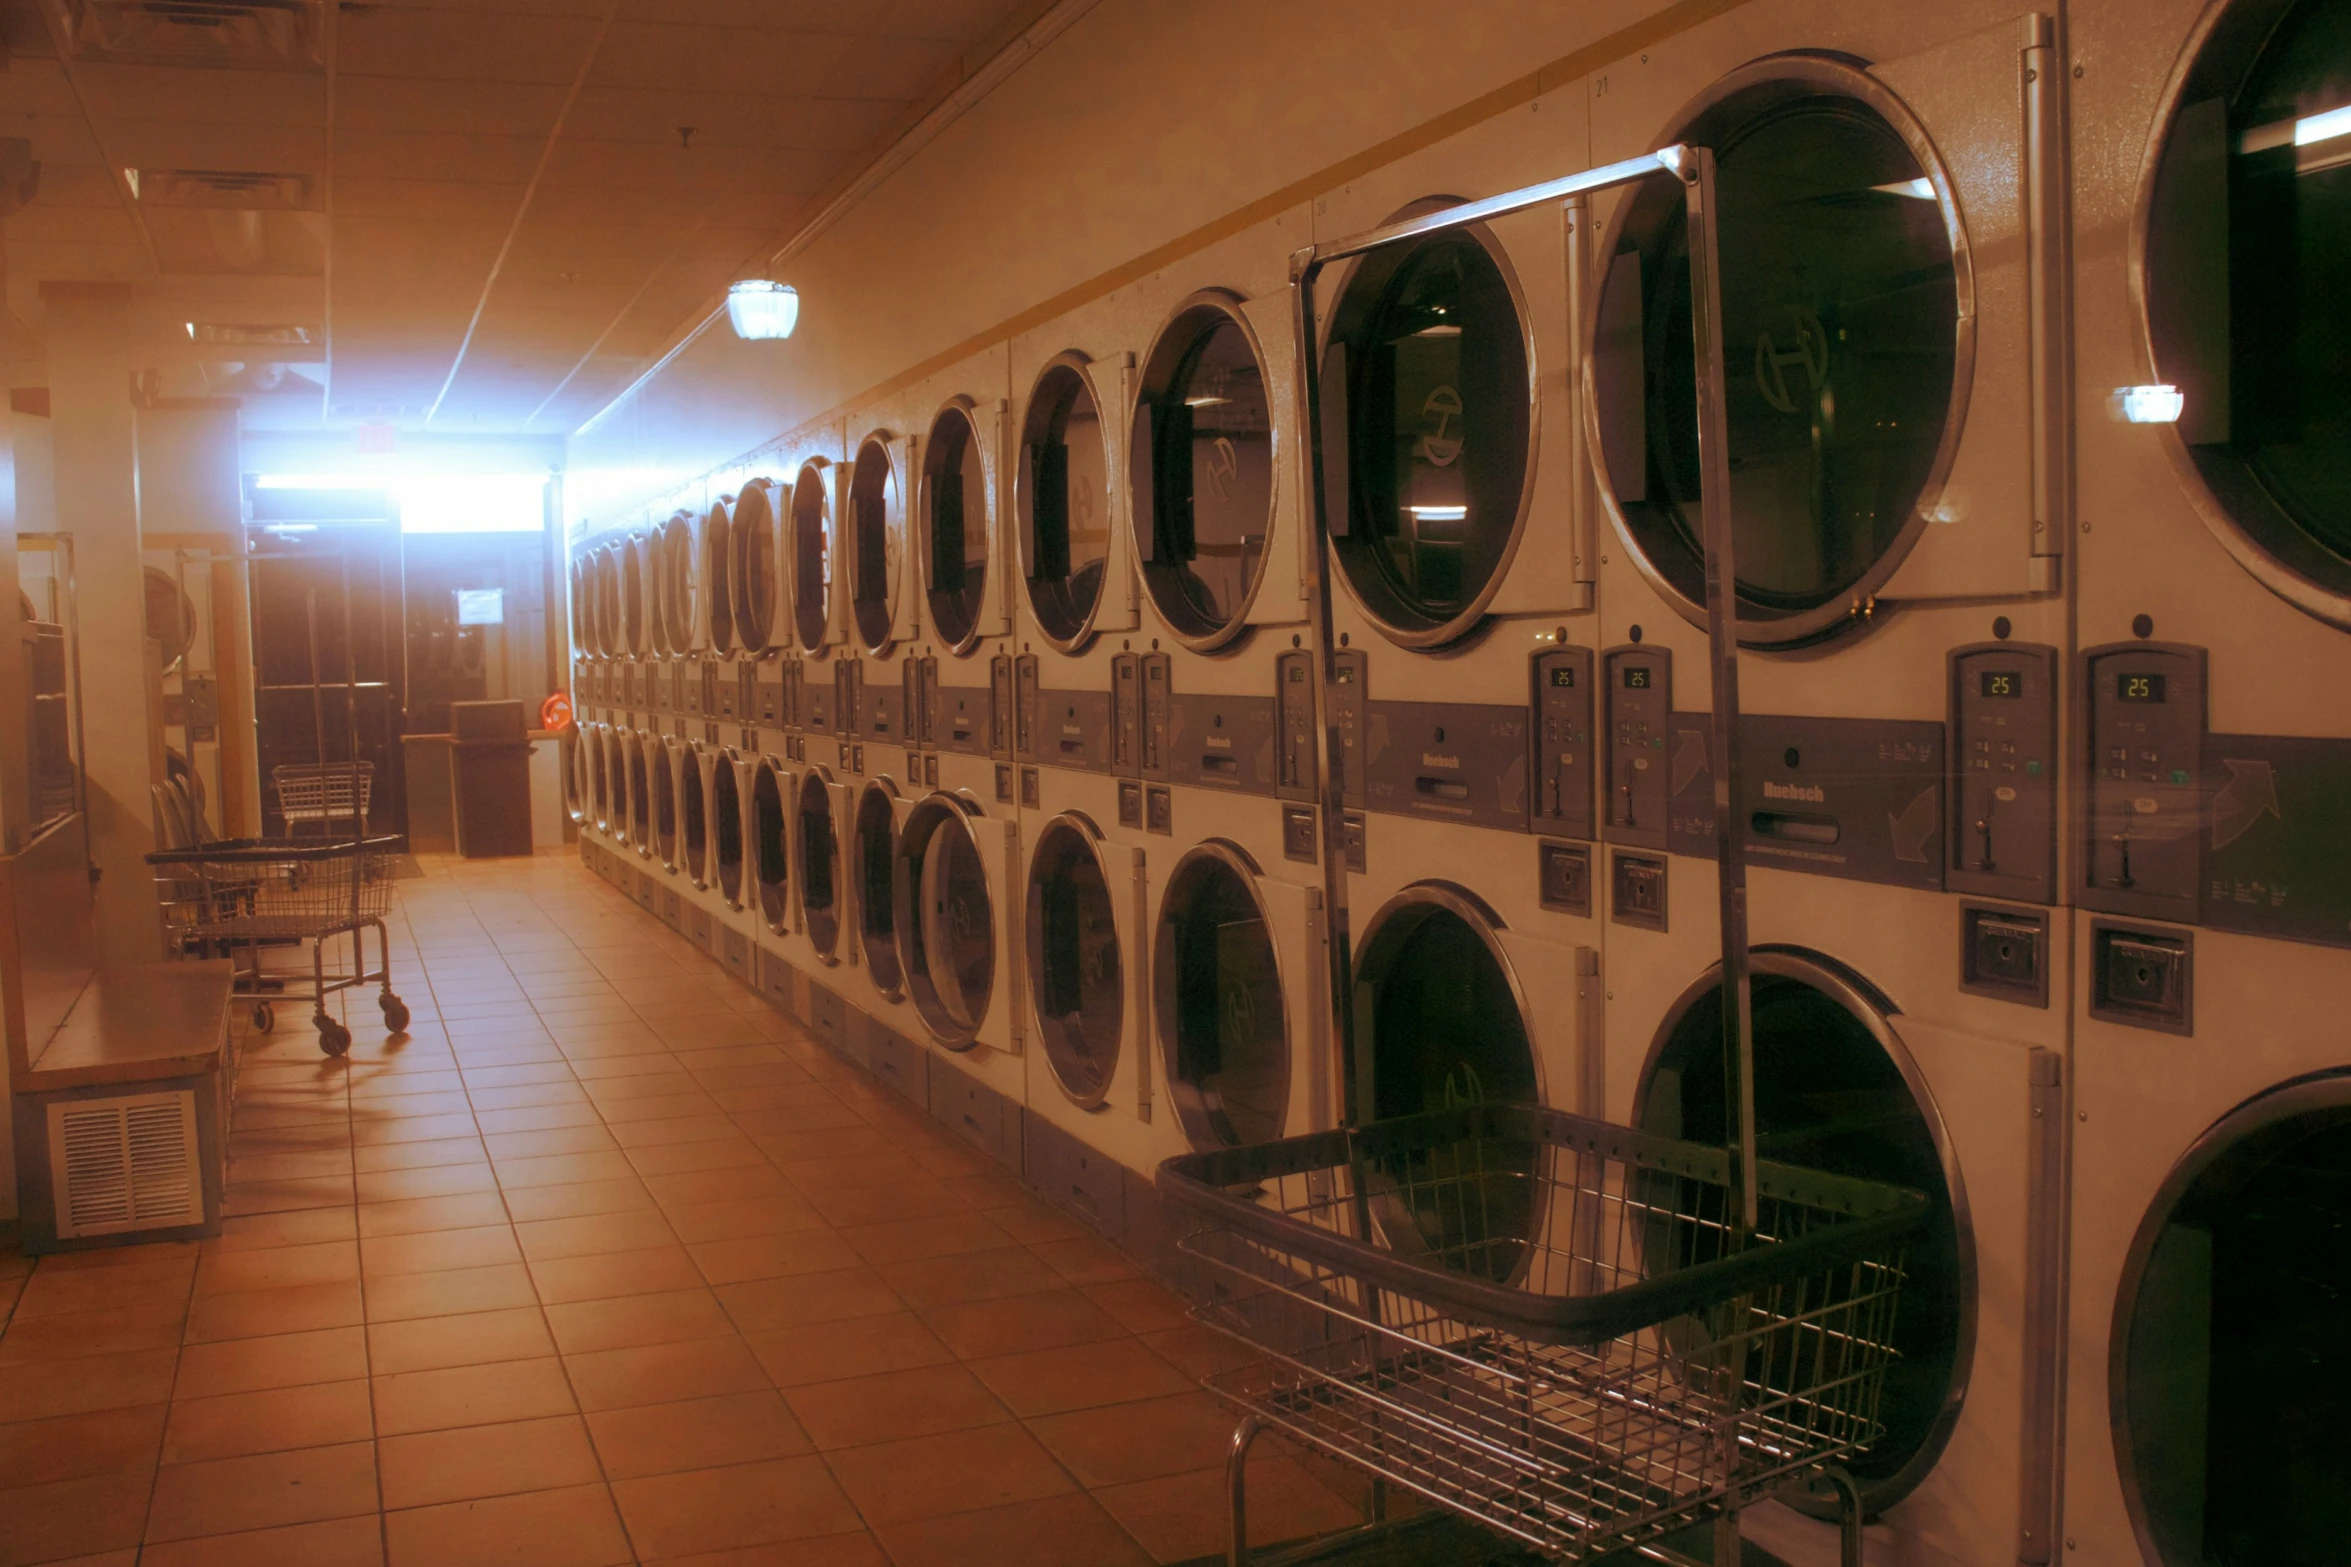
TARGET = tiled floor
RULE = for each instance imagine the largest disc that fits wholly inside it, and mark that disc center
(604, 1262)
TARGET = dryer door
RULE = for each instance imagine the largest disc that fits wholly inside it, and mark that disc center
(726, 824)
(2230, 1366)
(824, 895)
(881, 813)
(949, 889)
(1076, 947)
(774, 800)
(695, 766)
(1232, 1011)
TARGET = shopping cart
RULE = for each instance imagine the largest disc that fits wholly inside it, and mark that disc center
(1556, 1327)
(324, 794)
(233, 898)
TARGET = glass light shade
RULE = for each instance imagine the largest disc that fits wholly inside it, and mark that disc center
(2153, 404)
(760, 308)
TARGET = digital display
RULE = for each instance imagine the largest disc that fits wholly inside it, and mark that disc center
(1636, 677)
(1563, 677)
(2138, 688)
(2002, 683)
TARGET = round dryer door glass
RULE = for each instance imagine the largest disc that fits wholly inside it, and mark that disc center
(812, 558)
(877, 862)
(753, 588)
(1202, 470)
(1841, 337)
(1830, 1096)
(946, 921)
(1447, 1031)
(955, 510)
(2232, 1342)
(1429, 360)
(1064, 503)
(2248, 315)
(1222, 1024)
(608, 601)
(771, 854)
(819, 860)
(877, 541)
(675, 579)
(726, 829)
(1074, 968)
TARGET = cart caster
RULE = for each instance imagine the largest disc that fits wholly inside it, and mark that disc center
(264, 1017)
(333, 1037)
(395, 1013)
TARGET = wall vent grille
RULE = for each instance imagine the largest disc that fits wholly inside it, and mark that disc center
(125, 1164)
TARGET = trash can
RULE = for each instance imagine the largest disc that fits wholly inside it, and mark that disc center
(490, 778)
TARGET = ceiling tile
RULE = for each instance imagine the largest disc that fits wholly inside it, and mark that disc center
(396, 103)
(437, 156)
(200, 97)
(463, 45)
(679, 58)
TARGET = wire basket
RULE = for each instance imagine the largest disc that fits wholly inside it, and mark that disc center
(324, 792)
(1547, 1323)
(260, 890)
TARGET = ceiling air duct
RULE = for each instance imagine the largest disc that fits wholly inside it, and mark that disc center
(263, 34)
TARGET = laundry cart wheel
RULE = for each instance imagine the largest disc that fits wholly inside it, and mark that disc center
(395, 1013)
(333, 1037)
(264, 1017)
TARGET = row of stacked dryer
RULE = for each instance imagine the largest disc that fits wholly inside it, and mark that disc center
(1016, 691)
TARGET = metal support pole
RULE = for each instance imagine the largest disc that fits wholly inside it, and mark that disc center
(1236, 1480)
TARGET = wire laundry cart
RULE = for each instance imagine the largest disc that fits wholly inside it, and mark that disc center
(1582, 1336)
(237, 897)
(1554, 1326)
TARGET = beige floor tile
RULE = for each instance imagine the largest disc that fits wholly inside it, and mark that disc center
(471, 1395)
(397, 1297)
(65, 1519)
(74, 1447)
(466, 1463)
(955, 1472)
(232, 1495)
(339, 1542)
(249, 1365)
(472, 1339)
(743, 1504)
(1054, 1531)
(575, 1527)
(317, 1414)
(856, 1411)
(700, 1433)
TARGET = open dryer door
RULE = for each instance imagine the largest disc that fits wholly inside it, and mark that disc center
(881, 814)
(884, 587)
(827, 904)
(646, 762)
(956, 873)
(694, 768)
(774, 805)
(726, 823)
(812, 558)
(1083, 950)
(964, 575)
(1237, 987)
(661, 768)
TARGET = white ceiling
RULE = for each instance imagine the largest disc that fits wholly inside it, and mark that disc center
(496, 223)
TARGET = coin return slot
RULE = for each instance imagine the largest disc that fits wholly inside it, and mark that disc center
(2142, 979)
(1441, 788)
(1791, 828)
(1222, 766)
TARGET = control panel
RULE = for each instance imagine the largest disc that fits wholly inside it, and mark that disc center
(2143, 706)
(1158, 713)
(1222, 741)
(1638, 699)
(1026, 695)
(1000, 705)
(2002, 836)
(1294, 726)
(927, 700)
(1126, 723)
(1561, 801)
(848, 696)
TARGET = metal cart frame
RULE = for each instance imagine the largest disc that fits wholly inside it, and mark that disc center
(1750, 1238)
(240, 896)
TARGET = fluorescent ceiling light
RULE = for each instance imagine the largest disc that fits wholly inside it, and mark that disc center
(760, 308)
(1439, 513)
(1920, 189)
(2153, 404)
(1207, 401)
(441, 503)
(2322, 127)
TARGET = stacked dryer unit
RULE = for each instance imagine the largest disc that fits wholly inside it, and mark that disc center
(1889, 201)
(2209, 1409)
(1457, 520)
(880, 696)
(1213, 705)
(824, 949)
(1086, 891)
(767, 775)
(956, 891)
